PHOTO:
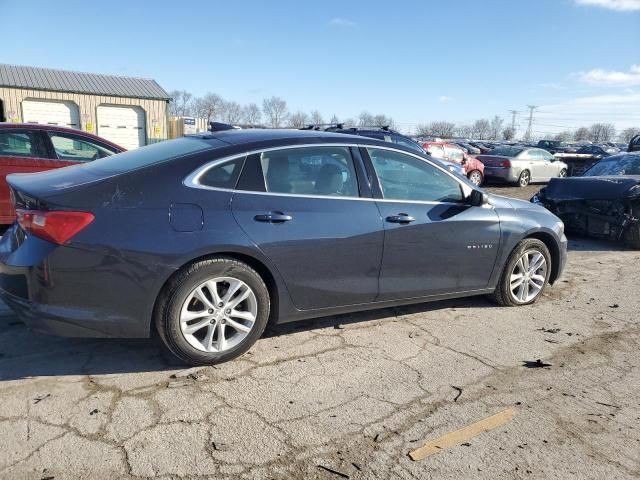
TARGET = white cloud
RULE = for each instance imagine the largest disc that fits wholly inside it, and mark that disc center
(341, 22)
(619, 5)
(623, 110)
(444, 99)
(612, 78)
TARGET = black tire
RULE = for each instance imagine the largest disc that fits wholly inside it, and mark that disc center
(172, 297)
(563, 173)
(502, 294)
(524, 179)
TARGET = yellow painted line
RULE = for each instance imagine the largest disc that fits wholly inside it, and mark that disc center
(460, 436)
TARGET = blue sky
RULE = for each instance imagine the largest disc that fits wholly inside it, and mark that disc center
(418, 61)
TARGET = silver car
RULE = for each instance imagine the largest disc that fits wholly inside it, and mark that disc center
(521, 165)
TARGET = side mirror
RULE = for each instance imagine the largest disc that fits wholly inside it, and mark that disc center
(478, 198)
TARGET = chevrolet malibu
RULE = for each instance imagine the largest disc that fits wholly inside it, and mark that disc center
(209, 238)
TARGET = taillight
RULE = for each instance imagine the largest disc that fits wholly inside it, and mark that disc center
(55, 226)
(505, 164)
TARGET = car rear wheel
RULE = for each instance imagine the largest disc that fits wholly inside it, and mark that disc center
(213, 311)
(475, 177)
(563, 173)
(631, 235)
(524, 178)
(525, 275)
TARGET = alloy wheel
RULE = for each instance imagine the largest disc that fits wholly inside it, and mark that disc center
(524, 179)
(476, 178)
(528, 276)
(218, 314)
(563, 173)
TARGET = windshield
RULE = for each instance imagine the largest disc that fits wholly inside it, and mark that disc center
(618, 165)
(507, 151)
(155, 153)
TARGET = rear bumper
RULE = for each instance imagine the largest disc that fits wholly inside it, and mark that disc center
(67, 291)
(49, 320)
(500, 174)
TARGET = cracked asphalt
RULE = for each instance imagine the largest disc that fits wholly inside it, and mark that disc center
(348, 396)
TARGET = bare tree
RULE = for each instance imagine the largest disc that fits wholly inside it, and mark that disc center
(181, 103)
(602, 132)
(251, 114)
(349, 122)
(496, 128)
(481, 129)
(509, 134)
(365, 119)
(209, 106)
(581, 134)
(275, 110)
(464, 131)
(298, 120)
(627, 134)
(437, 129)
(381, 120)
(316, 118)
(231, 112)
(334, 119)
(564, 136)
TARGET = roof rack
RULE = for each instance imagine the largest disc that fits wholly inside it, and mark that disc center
(319, 126)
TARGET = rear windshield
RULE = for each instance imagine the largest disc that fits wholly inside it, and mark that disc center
(618, 165)
(151, 154)
(506, 151)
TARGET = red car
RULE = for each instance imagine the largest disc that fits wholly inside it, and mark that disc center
(28, 147)
(473, 168)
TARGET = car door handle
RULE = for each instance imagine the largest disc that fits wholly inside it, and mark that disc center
(273, 217)
(401, 218)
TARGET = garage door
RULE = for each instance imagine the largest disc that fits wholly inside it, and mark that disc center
(122, 125)
(63, 114)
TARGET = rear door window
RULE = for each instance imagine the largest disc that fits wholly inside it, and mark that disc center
(325, 171)
(18, 143)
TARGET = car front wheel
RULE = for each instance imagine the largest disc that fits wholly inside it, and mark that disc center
(212, 311)
(563, 173)
(525, 275)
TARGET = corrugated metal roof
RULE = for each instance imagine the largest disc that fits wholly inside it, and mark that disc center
(76, 82)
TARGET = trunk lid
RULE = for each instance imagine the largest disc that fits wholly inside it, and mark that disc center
(492, 160)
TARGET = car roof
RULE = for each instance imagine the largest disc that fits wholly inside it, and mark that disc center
(258, 138)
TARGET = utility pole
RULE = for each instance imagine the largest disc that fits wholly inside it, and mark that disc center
(531, 108)
(513, 118)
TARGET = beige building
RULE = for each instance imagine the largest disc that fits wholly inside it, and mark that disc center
(131, 112)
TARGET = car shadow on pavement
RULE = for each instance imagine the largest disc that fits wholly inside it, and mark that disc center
(339, 321)
(26, 354)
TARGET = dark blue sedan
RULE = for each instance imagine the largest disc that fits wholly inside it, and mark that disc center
(210, 237)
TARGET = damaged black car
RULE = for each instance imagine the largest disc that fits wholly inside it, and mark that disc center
(603, 203)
